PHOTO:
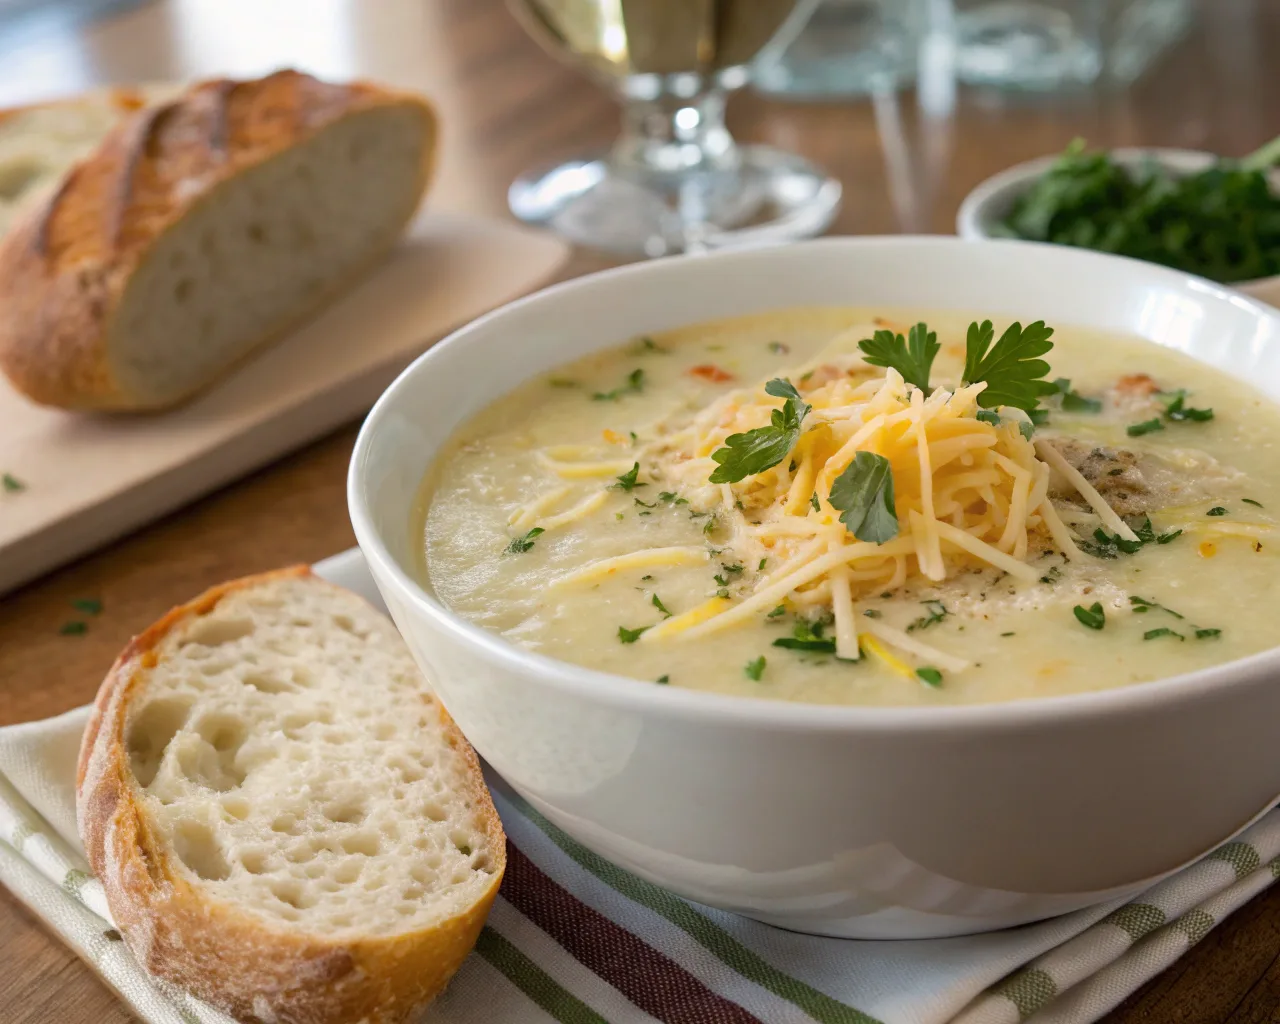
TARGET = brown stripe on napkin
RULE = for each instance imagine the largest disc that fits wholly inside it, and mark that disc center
(650, 979)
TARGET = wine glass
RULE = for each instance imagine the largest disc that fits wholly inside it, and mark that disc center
(675, 180)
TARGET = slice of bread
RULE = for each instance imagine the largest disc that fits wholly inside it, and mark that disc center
(285, 821)
(202, 228)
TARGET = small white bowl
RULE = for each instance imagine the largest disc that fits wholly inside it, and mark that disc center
(866, 822)
(990, 202)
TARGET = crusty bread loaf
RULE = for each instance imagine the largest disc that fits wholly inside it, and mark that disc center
(285, 821)
(202, 228)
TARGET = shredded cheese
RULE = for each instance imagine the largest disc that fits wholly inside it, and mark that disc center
(968, 493)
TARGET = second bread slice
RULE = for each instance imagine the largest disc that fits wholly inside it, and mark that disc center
(285, 821)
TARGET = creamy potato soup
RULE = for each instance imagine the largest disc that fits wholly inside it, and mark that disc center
(814, 505)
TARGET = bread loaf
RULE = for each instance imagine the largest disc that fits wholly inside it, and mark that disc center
(202, 228)
(285, 821)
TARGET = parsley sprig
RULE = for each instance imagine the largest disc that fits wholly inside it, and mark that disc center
(864, 495)
(754, 451)
(1011, 367)
(520, 545)
(912, 357)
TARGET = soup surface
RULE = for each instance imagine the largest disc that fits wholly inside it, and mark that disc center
(905, 546)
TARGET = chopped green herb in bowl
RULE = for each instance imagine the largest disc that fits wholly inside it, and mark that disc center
(1215, 217)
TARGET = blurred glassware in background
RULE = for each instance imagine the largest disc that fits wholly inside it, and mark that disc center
(847, 48)
(675, 180)
(1046, 45)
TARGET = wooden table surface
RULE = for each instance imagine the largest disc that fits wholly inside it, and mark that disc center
(507, 105)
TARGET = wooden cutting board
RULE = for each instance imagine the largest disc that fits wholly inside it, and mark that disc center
(86, 479)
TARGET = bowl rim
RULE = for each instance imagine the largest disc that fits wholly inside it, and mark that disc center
(633, 694)
(1015, 179)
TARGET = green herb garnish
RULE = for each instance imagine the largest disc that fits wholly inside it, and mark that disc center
(647, 344)
(1250, 501)
(1164, 538)
(634, 385)
(520, 545)
(777, 612)
(1073, 401)
(630, 636)
(930, 676)
(936, 610)
(813, 500)
(1153, 634)
(1222, 223)
(988, 416)
(1141, 604)
(657, 603)
(73, 629)
(1206, 634)
(754, 669)
(812, 646)
(1176, 409)
(756, 450)
(663, 680)
(912, 357)
(88, 605)
(778, 348)
(760, 567)
(1217, 510)
(627, 481)
(1093, 617)
(873, 613)
(12, 484)
(1011, 368)
(1145, 427)
(563, 382)
(863, 493)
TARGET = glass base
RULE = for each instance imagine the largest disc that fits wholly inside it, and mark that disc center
(766, 196)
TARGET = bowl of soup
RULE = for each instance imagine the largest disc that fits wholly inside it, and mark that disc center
(870, 587)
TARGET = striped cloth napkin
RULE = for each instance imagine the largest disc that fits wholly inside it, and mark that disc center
(574, 939)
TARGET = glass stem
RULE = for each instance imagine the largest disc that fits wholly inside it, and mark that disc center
(674, 136)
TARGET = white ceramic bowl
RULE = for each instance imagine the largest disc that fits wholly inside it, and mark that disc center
(866, 822)
(990, 202)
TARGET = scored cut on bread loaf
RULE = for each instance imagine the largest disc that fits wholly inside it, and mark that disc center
(284, 819)
(202, 228)
(40, 142)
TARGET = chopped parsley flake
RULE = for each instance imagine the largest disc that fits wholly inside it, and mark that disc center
(1164, 538)
(563, 382)
(634, 440)
(520, 545)
(709, 526)
(88, 605)
(627, 481)
(647, 344)
(1217, 510)
(778, 348)
(1206, 634)
(630, 636)
(812, 646)
(723, 593)
(1073, 401)
(1250, 501)
(777, 612)
(1093, 617)
(642, 504)
(813, 500)
(663, 680)
(657, 603)
(1153, 634)
(760, 567)
(1141, 604)
(73, 629)
(930, 676)
(936, 610)
(12, 484)
(873, 613)
(754, 669)
(1007, 634)
(1145, 427)
(988, 416)
(1176, 409)
(671, 498)
(633, 386)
